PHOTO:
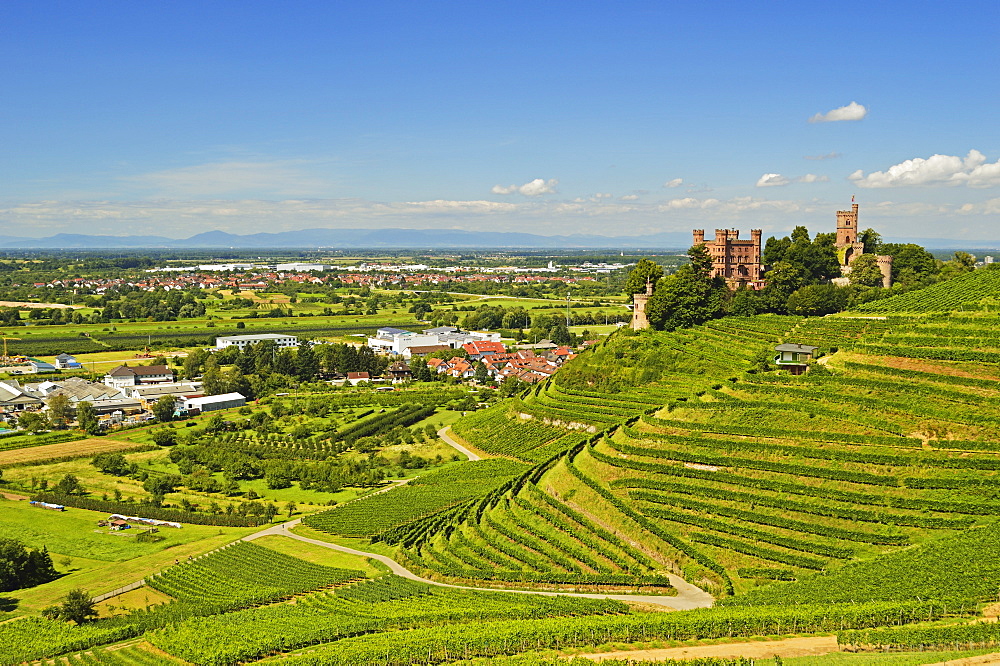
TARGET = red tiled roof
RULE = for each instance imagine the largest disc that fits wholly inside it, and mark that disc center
(484, 347)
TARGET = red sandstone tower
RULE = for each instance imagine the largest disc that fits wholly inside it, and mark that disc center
(850, 247)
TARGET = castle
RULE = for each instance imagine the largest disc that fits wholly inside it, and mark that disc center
(735, 260)
(849, 246)
(739, 261)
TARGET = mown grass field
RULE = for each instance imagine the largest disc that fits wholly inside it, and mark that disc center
(99, 560)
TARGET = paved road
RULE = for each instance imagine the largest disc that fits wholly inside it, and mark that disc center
(688, 596)
(443, 434)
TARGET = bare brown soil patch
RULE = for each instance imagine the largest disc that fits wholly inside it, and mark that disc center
(81, 447)
(25, 304)
(924, 365)
(808, 646)
(982, 660)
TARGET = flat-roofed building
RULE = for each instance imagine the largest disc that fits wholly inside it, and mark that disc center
(241, 341)
(211, 403)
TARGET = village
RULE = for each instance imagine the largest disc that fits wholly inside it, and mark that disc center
(130, 395)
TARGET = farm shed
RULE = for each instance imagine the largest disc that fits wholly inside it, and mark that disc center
(211, 403)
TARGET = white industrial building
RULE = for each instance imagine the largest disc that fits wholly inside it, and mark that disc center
(241, 341)
(211, 403)
(303, 268)
(397, 341)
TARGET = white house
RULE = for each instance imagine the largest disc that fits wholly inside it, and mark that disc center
(67, 362)
(241, 341)
(125, 375)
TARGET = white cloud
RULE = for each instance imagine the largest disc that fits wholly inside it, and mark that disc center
(629, 197)
(852, 111)
(281, 178)
(988, 207)
(971, 170)
(828, 156)
(533, 188)
(777, 180)
(676, 182)
(772, 180)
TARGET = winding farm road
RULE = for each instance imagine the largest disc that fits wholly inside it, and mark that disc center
(443, 434)
(688, 596)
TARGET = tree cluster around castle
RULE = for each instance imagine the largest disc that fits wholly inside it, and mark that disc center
(801, 275)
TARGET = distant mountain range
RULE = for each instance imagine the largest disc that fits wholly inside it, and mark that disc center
(396, 238)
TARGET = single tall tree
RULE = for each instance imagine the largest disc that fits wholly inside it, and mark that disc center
(60, 409)
(645, 270)
(86, 418)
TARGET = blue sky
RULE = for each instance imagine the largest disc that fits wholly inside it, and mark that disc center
(584, 117)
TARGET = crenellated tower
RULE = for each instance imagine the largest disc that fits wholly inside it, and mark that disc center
(849, 245)
(639, 300)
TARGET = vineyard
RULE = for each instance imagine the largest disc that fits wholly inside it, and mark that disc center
(724, 472)
(978, 290)
(424, 495)
(244, 574)
(377, 606)
(861, 499)
(439, 644)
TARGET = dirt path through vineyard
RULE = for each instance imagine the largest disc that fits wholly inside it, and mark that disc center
(688, 596)
(808, 646)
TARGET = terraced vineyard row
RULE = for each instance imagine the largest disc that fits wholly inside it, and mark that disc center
(245, 574)
(376, 606)
(970, 291)
(423, 496)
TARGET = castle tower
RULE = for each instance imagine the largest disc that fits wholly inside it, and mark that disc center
(639, 300)
(849, 247)
(699, 236)
(885, 265)
(847, 226)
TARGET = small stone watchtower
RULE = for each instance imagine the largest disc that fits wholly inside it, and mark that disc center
(639, 300)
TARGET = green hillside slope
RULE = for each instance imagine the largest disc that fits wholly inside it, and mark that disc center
(681, 453)
(977, 290)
